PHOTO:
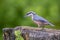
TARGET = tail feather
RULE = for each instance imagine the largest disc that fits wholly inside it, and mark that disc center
(51, 24)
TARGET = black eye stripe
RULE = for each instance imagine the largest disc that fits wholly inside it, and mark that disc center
(29, 13)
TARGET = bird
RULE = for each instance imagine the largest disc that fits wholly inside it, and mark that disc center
(40, 21)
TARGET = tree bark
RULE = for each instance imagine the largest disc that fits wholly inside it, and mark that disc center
(31, 33)
(8, 34)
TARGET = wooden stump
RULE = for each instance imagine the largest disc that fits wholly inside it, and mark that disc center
(8, 34)
(30, 33)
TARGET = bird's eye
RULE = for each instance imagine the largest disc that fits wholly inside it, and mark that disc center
(28, 13)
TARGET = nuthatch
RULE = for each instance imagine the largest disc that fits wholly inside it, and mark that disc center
(40, 21)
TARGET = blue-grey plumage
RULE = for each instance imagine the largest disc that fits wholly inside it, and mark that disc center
(40, 21)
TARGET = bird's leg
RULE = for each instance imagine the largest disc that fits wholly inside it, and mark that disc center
(43, 27)
(38, 25)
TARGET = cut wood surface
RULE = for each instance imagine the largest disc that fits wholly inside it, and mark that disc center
(33, 33)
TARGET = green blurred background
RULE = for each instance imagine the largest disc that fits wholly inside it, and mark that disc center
(12, 12)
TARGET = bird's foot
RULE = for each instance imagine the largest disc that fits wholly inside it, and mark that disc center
(43, 30)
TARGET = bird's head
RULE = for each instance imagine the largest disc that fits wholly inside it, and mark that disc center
(31, 13)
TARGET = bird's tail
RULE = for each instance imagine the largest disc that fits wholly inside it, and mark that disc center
(51, 24)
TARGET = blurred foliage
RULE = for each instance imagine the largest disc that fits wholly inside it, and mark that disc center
(12, 12)
(18, 35)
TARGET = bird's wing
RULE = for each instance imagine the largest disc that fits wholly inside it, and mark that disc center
(39, 18)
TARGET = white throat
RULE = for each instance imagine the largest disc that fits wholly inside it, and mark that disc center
(32, 17)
